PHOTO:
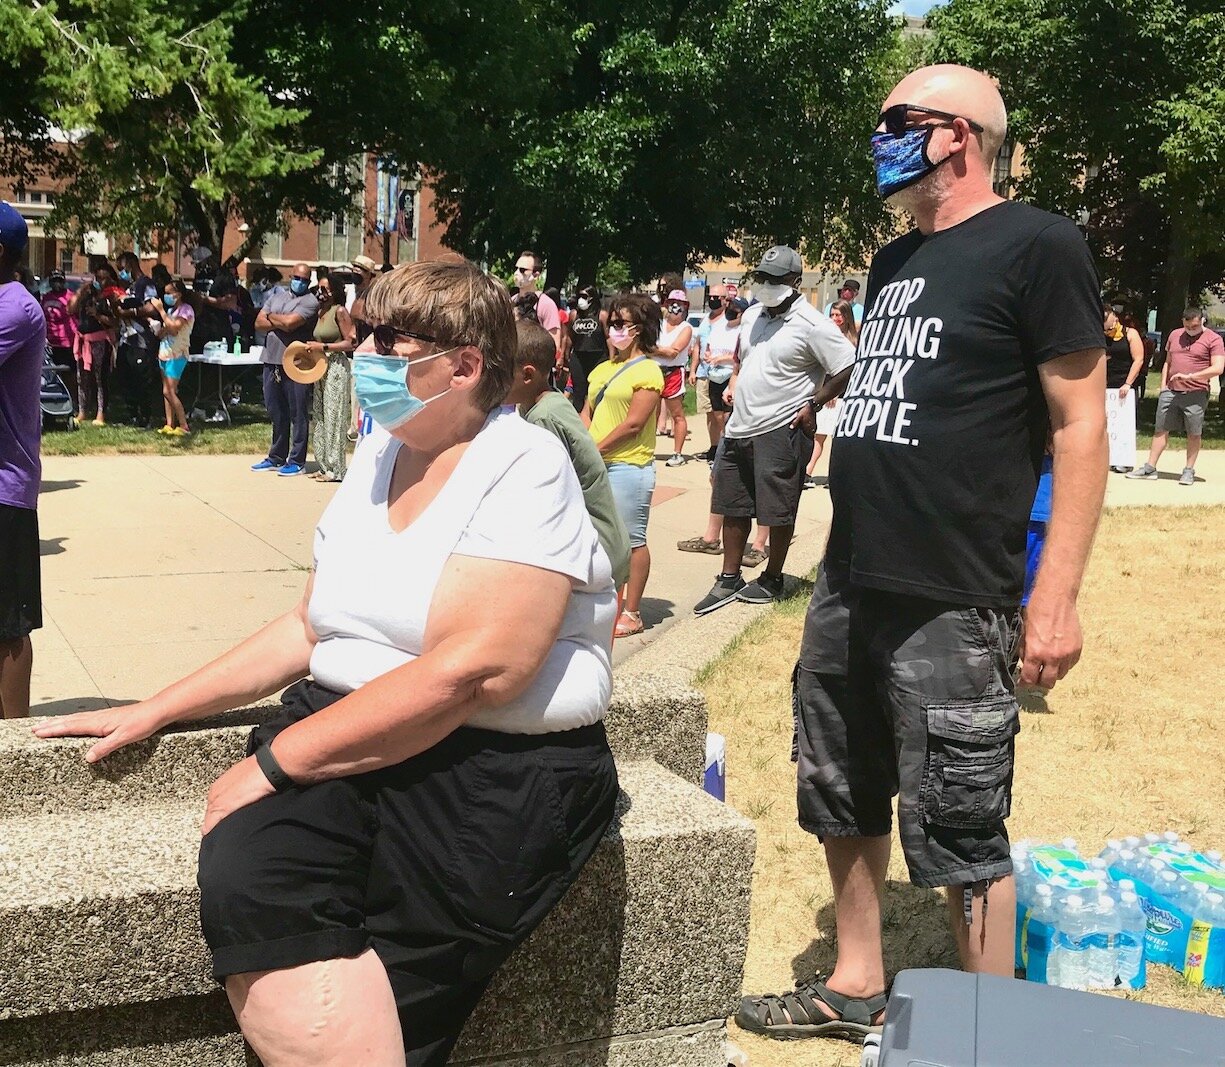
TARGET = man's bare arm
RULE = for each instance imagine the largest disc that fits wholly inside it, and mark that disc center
(1073, 385)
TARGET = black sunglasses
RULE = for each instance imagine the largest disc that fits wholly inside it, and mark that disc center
(895, 122)
(385, 338)
(620, 323)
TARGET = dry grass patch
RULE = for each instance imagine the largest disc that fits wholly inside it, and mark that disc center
(1132, 743)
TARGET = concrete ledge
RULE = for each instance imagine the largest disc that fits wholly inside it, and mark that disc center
(102, 911)
(648, 718)
(199, 1032)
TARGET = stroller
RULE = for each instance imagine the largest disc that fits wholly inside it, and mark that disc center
(53, 396)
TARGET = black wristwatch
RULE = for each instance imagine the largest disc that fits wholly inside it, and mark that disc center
(273, 771)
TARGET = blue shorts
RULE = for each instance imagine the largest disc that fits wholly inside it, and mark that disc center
(632, 488)
(174, 368)
(1034, 540)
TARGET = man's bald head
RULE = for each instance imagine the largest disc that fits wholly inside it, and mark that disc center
(959, 91)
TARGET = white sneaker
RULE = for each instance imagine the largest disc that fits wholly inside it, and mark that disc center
(676, 460)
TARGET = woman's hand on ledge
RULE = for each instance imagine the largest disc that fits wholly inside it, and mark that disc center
(116, 726)
(242, 784)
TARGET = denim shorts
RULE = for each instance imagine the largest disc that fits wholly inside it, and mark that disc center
(900, 695)
(632, 488)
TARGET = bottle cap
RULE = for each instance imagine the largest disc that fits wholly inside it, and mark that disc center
(1171, 836)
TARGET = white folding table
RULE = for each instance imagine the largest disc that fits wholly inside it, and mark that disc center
(221, 360)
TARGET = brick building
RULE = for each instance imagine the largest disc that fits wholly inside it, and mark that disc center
(332, 243)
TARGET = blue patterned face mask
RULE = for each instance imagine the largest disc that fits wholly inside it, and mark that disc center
(381, 384)
(902, 161)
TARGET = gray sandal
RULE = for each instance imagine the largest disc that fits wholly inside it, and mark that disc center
(796, 1014)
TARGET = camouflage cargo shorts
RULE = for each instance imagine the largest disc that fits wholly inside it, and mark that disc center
(902, 696)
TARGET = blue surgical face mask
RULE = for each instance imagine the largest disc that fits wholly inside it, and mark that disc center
(298, 286)
(168, 299)
(97, 284)
(125, 275)
(902, 161)
(381, 384)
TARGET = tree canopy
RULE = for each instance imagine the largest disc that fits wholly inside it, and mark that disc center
(1120, 107)
(649, 134)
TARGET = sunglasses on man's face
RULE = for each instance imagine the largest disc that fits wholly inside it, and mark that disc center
(896, 119)
(385, 338)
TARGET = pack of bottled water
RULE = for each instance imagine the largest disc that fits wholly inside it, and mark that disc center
(1095, 923)
(1183, 895)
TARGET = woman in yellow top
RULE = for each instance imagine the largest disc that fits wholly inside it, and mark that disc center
(622, 400)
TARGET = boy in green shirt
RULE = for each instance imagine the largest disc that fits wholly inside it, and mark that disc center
(542, 406)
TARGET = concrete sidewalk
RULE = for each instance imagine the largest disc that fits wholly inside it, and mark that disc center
(154, 565)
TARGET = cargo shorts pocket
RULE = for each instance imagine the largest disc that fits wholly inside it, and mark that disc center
(967, 773)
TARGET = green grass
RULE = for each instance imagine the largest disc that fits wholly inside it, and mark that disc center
(249, 434)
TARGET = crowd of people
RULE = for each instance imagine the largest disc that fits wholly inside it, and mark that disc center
(438, 775)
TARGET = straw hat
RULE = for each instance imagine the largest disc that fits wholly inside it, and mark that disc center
(303, 364)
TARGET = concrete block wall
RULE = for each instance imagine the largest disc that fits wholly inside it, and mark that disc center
(101, 961)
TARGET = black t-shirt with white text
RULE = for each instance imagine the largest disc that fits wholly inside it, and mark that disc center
(943, 422)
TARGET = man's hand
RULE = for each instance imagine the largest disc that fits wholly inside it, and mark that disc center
(116, 726)
(693, 378)
(805, 420)
(1052, 641)
(242, 784)
(1124, 389)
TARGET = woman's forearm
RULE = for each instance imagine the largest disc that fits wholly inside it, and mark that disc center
(265, 663)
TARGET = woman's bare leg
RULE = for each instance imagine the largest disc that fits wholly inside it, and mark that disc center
(335, 1013)
(680, 425)
(818, 446)
(166, 401)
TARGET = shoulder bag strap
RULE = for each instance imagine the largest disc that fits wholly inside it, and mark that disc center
(600, 395)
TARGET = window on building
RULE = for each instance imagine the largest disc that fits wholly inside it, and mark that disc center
(340, 237)
(65, 258)
(1001, 176)
(273, 247)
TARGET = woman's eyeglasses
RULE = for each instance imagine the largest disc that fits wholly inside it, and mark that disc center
(385, 338)
(895, 118)
(621, 324)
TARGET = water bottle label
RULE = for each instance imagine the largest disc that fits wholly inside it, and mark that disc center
(1165, 938)
(1205, 960)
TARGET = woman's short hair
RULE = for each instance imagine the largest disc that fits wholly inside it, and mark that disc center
(458, 304)
(643, 312)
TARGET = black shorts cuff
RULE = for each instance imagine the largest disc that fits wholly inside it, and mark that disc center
(961, 876)
(337, 943)
(838, 829)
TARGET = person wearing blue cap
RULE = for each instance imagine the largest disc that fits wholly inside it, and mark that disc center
(23, 338)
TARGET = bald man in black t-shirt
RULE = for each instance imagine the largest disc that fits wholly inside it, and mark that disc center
(981, 334)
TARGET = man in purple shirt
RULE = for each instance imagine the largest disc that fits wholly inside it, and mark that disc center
(23, 337)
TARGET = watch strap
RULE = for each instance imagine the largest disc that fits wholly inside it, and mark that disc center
(273, 771)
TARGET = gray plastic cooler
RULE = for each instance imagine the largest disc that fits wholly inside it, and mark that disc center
(940, 1018)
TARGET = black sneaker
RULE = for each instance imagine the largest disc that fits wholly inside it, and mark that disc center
(724, 591)
(766, 589)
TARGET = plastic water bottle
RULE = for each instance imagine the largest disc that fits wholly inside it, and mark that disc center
(1110, 854)
(1103, 944)
(1132, 923)
(1041, 934)
(1215, 858)
(1132, 842)
(1171, 837)
(1070, 953)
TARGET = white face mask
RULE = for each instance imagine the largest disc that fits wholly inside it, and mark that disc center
(771, 294)
(584, 304)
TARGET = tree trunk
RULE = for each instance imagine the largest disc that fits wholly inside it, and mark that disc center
(588, 265)
(1175, 291)
(559, 263)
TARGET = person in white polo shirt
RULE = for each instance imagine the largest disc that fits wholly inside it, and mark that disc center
(787, 348)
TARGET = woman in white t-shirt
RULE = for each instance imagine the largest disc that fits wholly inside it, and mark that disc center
(672, 355)
(429, 792)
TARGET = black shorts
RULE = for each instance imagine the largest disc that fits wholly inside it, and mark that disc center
(899, 695)
(442, 864)
(761, 477)
(21, 597)
(715, 390)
